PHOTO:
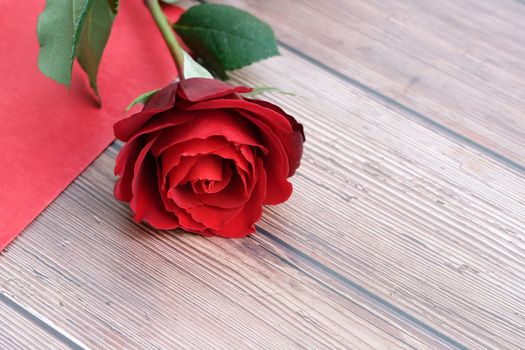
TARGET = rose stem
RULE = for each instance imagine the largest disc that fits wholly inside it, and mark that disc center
(167, 34)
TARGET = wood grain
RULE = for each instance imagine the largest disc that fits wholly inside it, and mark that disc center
(426, 223)
(114, 284)
(456, 63)
(409, 239)
(397, 235)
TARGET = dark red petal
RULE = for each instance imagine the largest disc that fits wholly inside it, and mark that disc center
(176, 174)
(233, 196)
(247, 175)
(229, 151)
(200, 89)
(161, 101)
(171, 156)
(164, 120)
(289, 132)
(296, 126)
(214, 186)
(293, 144)
(210, 123)
(213, 217)
(274, 119)
(184, 218)
(146, 202)
(213, 145)
(208, 167)
(275, 163)
(124, 167)
(243, 223)
(184, 197)
(225, 181)
(188, 223)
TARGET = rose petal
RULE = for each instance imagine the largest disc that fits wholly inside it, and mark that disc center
(269, 116)
(213, 217)
(215, 186)
(178, 173)
(289, 132)
(293, 144)
(185, 220)
(124, 167)
(243, 223)
(164, 120)
(212, 123)
(241, 155)
(296, 126)
(275, 163)
(146, 202)
(188, 223)
(184, 197)
(207, 167)
(230, 151)
(294, 149)
(232, 196)
(171, 156)
(159, 102)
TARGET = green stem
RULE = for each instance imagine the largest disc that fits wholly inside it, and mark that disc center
(167, 34)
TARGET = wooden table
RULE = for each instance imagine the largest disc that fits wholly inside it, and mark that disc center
(406, 228)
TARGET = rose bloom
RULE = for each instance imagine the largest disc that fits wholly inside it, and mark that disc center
(204, 158)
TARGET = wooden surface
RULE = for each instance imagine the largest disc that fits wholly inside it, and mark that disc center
(24, 329)
(405, 230)
(456, 66)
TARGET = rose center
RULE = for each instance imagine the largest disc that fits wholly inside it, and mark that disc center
(204, 186)
(211, 177)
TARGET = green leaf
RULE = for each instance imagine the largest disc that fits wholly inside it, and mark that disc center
(142, 99)
(95, 34)
(59, 28)
(170, 2)
(224, 37)
(263, 89)
(192, 69)
(69, 29)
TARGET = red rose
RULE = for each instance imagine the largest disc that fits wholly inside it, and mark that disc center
(202, 157)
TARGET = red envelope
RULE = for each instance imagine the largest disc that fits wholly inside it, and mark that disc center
(49, 134)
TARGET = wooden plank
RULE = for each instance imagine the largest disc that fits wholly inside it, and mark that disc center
(21, 330)
(456, 63)
(418, 235)
(115, 284)
(426, 223)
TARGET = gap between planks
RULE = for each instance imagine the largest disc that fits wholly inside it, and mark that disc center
(40, 322)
